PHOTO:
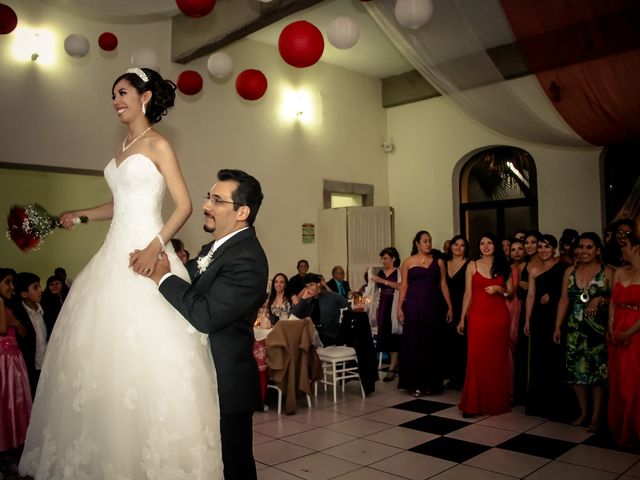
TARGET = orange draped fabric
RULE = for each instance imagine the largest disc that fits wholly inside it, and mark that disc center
(586, 56)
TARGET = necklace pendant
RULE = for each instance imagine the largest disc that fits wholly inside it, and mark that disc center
(584, 296)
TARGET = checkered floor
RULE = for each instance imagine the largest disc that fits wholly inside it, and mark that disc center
(391, 435)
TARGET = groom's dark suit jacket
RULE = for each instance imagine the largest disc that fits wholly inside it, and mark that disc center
(223, 302)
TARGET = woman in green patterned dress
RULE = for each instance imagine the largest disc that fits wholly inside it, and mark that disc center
(585, 297)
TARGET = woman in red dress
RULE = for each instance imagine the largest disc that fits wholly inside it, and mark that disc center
(487, 384)
(624, 349)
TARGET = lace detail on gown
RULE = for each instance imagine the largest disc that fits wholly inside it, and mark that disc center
(128, 388)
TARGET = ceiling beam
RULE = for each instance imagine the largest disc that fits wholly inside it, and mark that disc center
(230, 21)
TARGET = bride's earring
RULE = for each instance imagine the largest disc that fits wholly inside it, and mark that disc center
(144, 108)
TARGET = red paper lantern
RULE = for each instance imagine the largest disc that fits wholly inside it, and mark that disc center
(8, 19)
(301, 44)
(251, 84)
(108, 41)
(196, 8)
(189, 82)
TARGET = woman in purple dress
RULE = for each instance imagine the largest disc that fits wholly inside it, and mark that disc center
(423, 295)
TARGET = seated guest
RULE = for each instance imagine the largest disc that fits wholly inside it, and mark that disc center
(178, 246)
(337, 283)
(52, 299)
(323, 307)
(296, 283)
(278, 303)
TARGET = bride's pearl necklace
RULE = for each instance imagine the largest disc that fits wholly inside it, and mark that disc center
(134, 140)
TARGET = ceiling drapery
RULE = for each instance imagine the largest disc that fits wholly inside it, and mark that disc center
(451, 53)
(586, 57)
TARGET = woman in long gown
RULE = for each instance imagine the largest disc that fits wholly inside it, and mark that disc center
(585, 294)
(389, 333)
(547, 396)
(514, 304)
(486, 319)
(128, 388)
(456, 345)
(423, 294)
(624, 349)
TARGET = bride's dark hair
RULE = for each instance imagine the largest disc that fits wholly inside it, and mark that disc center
(163, 92)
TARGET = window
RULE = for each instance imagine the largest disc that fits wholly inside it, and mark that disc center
(345, 194)
(498, 193)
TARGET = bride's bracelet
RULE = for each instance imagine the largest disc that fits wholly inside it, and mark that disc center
(159, 237)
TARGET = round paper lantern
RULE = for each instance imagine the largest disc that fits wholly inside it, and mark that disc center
(413, 13)
(107, 41)
(76, 45)
(196, 8)
(189, 82)
(301, 44)
(220, 64)
(8, 19)
(144, 58)
(343, 32)
(251, 84)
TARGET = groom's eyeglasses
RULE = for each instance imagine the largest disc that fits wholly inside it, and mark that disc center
(217, 201)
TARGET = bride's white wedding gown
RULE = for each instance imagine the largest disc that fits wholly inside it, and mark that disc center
(128, 388)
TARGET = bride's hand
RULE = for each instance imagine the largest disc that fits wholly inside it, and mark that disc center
(68, 220)
(144, 261)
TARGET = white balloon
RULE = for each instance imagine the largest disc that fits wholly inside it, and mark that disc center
(413, 13)
(343, 32)
(220, 64)
(144, 57)
(76, 45)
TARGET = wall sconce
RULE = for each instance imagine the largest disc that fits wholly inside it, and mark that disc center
(298, 106)
(34, 45)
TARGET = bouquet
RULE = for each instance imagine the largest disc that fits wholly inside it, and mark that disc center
(30, 225)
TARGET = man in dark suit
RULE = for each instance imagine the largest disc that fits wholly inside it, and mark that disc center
(337, 283)
(229, 280)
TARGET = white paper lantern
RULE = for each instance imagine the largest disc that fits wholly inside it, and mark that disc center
(343, 32)
(76, 45)
(144, 57)
(413, 13)
(220, 64)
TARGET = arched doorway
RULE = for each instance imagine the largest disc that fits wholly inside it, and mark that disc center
(498, 193)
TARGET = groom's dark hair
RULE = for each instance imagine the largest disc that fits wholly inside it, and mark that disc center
(248, 193)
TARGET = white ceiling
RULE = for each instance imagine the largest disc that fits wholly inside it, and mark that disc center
(372, 55)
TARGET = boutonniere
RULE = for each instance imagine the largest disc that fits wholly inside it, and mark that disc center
(204, 262)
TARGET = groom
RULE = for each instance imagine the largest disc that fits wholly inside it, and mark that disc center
(229, 281)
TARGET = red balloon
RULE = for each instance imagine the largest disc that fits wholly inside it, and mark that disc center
(8, 19)
(196, 8)
(251, 84)
(301, 44)
(189, 82)
(108, 41)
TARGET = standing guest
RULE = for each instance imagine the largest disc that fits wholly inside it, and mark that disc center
(622, 229)
(52, 299)
(337, 283)
(62, 273)
(296, 283)
(445, 245)
(181, 252)
(15, 394)
(323, 307)
(389, 331)
(486, 319)
(514, 304)
(568, 245)
(420, 310)
(128, 388)
(585, 294)
(506, 248)
(278, 303)
(34, 344)
(455, 349)
(547, 395)
(608, 234)
(624, 349)
(222, 300)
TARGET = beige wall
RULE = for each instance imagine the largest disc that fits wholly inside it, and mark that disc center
(62, 116)
(431, 138)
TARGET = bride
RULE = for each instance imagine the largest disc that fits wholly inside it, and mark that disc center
(128, 389)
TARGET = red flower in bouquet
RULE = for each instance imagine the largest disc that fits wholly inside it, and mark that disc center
(30, 225)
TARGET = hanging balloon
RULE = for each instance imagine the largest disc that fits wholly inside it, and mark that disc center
(76, 45)
(413, 13)
(251, 84)
(301, 44)
(189, 82)
(8, 19)
(196, 8)
(220, 64)
(144, 57)
(343, 32)
(107, 41)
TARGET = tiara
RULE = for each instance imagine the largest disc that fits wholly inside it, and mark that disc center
(138, 71)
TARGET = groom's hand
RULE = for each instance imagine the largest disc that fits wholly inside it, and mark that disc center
(161, 269)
